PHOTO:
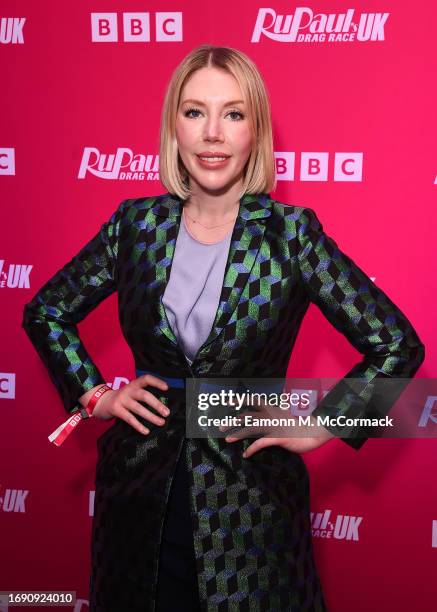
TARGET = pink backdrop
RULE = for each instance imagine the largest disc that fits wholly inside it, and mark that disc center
(371, 102)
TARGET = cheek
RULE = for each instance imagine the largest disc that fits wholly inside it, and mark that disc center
(186, 134)
(182, 134)
(243, 142)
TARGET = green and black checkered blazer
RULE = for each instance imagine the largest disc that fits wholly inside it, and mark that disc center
(250, 517)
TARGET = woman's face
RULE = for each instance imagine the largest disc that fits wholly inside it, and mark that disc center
(212, 120)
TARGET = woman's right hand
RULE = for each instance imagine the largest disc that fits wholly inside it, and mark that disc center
(123, 403)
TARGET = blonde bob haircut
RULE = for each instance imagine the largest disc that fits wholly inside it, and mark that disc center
(259, 171)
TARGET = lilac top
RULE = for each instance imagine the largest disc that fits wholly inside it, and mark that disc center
(192, 294)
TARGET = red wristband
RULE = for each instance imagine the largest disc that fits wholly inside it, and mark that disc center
(95, 398)
(64, 430)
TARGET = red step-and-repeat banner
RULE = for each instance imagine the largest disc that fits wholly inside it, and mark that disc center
(353, 94)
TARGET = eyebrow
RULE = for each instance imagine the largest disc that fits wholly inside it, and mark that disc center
(199, 103)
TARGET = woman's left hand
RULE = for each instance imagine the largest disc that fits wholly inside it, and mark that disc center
(301, 444)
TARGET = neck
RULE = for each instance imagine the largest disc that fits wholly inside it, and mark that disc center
(209, 208)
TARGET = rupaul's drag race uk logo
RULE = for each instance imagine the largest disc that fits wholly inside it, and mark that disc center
(119, 166)
(15, 276)
(13, 500)
(11, 30)
(306, 26)
(343, 527)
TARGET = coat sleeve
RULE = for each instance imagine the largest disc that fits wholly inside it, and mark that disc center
(363, 313)
(50, 319)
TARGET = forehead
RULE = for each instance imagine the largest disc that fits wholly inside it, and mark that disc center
(213, 85)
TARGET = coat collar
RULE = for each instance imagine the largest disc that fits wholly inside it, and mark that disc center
(245, 243)
(252, 206)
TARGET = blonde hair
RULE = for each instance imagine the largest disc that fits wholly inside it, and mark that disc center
(260, 171)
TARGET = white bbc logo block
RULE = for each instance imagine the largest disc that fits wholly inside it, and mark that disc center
(169, 27)
(314, 166)
(285, 165)
(348, 167)
(7, 385)
(104, 27)
(136, 27)
(7, 161)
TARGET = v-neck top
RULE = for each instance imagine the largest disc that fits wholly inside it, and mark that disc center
(192, 294)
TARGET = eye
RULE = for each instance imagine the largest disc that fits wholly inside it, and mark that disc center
(240, 115)
(187, 112)
(191, 110)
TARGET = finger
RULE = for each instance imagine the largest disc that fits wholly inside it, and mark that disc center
(256, 446)
(134, 406)
(127, 416)
(154, 402)
(154, 381)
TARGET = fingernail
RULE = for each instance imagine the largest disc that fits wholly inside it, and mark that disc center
(145, 430)
(244, 454)
(166, 411)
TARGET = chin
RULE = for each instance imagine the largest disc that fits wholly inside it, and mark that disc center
(213, 185)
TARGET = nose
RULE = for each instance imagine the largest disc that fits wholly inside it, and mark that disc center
(213, 129)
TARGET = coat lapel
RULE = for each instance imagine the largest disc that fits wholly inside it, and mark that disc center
(245, 243)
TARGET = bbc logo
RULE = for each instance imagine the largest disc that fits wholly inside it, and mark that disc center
(136, 27)
(7, 385)
(7, 161)
(316, 166)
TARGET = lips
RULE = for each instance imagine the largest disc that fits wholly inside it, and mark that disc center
(212, 159)
(213, 154)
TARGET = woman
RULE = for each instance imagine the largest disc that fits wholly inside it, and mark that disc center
(213, 279)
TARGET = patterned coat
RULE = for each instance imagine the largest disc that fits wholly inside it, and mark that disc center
(250, 517)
